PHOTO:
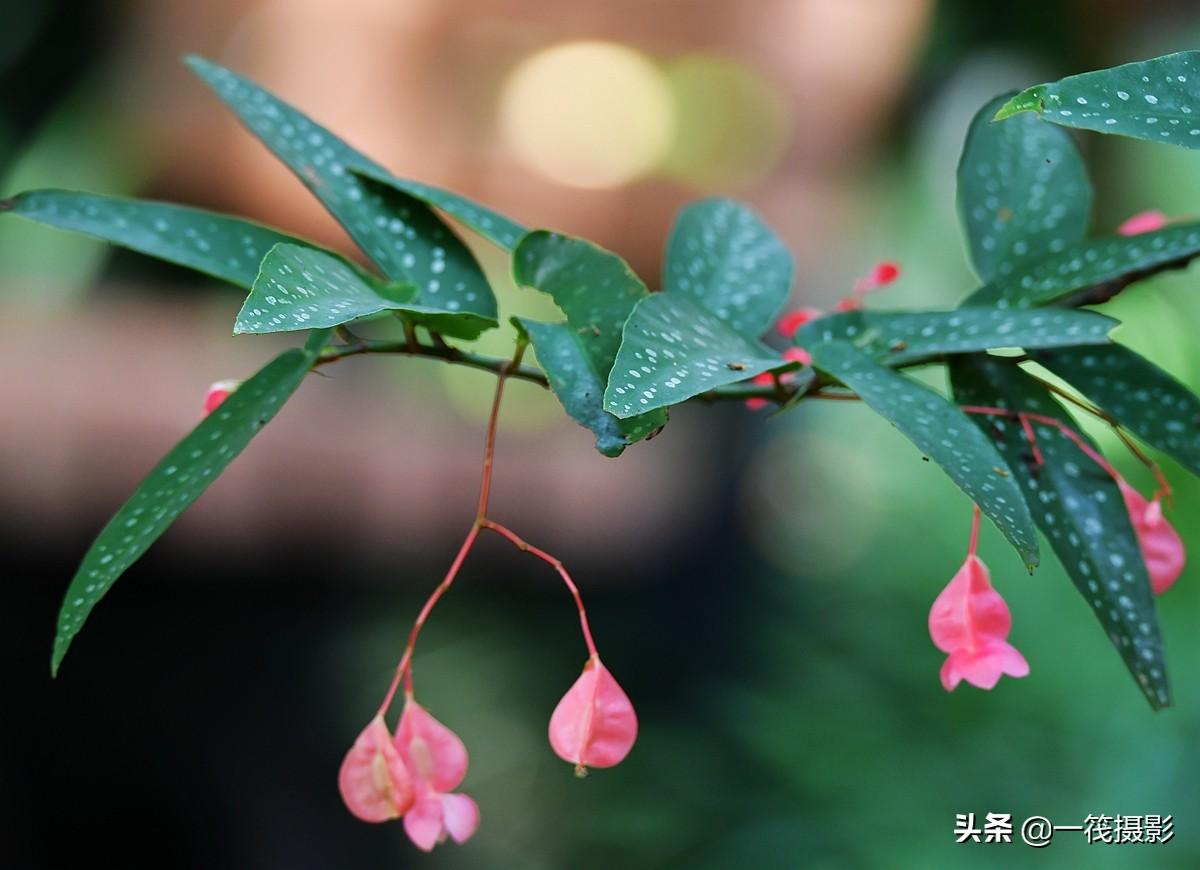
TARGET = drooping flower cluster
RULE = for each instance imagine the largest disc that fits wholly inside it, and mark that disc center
(413, 774)
(970, 621)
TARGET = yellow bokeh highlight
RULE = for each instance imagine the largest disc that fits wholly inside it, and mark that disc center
(587, 114)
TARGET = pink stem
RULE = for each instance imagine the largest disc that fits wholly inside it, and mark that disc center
(557, 564)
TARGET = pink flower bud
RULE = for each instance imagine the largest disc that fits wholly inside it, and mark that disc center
(374, 782)
(797, 354)
(1161, 546)
(970, 622)
(437, 762)
(594, 724)
(793, 320)
(218, 393)
(883, 274)
(1142, 222)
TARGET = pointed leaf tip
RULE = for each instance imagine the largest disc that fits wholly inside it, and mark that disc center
(1026, 101)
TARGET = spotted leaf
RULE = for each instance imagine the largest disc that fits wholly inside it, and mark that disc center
(674, 349)
(1157, 100)
(493, 226)
(722, 255)
(177, 481)
(225, 247)
(396, 229)
(303, 288)
(1137, 393)
(1023, 191)
(578, 385)
(943, 433)
(1080, 510)
(1092, 271)
(902, 337)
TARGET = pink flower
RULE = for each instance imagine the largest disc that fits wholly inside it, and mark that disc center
(437, 761)
(1162, 549)
(594, 724)
(374, 782)
(793, 320)
(970, 622)
(218, 393)
(1142, 222)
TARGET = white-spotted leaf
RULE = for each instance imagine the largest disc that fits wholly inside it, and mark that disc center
(940, 431)
(722, 255)
(1023, 191)
(1101, 267)
(493, 226)
(1157, 100)
(580, 387)
(303, 288)
(674, 349)
(177, 481)
(1138, 394)
(397, 230)
(225, 247)
(1078, 508)
(595, 288)
(901, 337)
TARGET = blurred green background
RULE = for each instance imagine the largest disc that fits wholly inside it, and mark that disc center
(759, 586)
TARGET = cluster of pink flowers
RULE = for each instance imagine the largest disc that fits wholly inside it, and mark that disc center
(412, 774)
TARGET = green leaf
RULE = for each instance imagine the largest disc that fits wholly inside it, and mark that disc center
(901, 337)
(595, 288)
(303, 288)
(225, 247)
(397, 230)
(1157, 100)
(1080, 510)
(1137, 394)
(177, 481)
(1023, 191)
(580, 387)
(675, 349)
(943, 433)
(493, 226)
(1101, 267)
(722, 255)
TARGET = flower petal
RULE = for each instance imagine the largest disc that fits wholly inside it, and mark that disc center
(424, 823)
(967, 609)
(594, 724)
(373, 780)
(434, 754)
(460, 815)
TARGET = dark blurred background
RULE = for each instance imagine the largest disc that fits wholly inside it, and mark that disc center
(759, 586)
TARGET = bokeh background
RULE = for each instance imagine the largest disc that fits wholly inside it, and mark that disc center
(760, 586)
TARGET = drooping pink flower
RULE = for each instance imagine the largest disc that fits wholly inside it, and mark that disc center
(218, 393)
(373, 780)
(1161, 546)
(793, 320)
(437, 761)
(1142, 222)
(970, 622)
(594, 724)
